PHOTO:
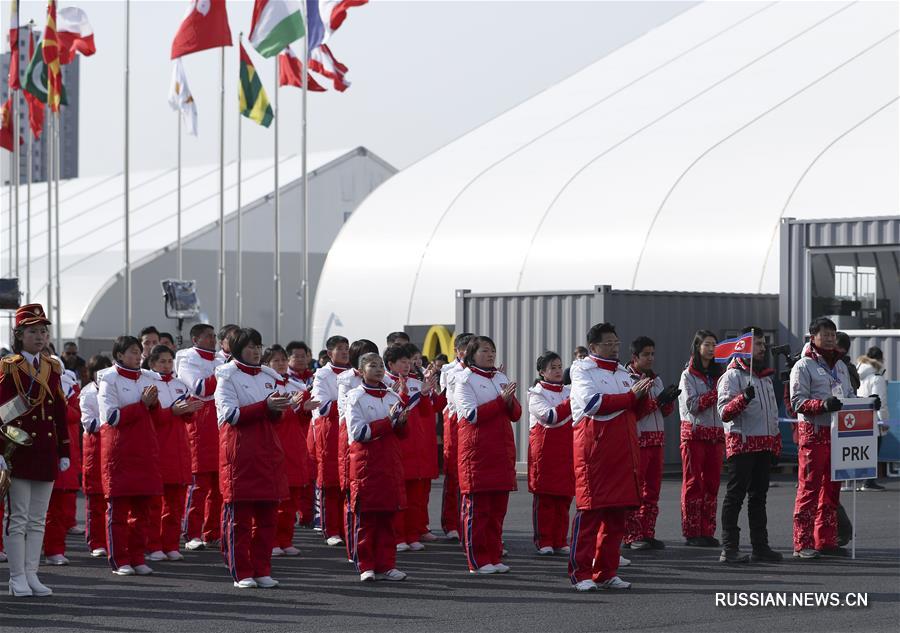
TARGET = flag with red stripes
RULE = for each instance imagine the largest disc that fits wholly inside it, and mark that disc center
(50, 51)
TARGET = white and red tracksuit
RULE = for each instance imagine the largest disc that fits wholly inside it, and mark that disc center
(91, 473)
(346, 382)
(129, 463)
(450, 496)
(376, 476)
(167, 511)
(486, 461)
(251, 467)
(551, 473)
(61, 511)
(326, 424)
(817, 376)
(641, 523)
(607, 461)
(292, 435)
(306, 508)
(196, 368)
(702, 450)
(412, 522)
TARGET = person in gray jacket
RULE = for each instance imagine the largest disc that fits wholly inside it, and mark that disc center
(749, 412)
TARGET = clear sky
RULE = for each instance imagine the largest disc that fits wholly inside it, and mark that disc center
(423, 74)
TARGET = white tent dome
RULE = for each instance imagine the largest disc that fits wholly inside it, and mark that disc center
(666, 165)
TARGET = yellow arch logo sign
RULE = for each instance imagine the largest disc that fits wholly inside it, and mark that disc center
(438, 340)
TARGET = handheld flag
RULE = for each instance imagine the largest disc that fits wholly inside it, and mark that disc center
(50, 53)
(275, 24)
(290, 72)
(205, 25)
(252, 97)
(75, 34)
(741, 347)
(35, 105)
(181, 99)
(14, 83)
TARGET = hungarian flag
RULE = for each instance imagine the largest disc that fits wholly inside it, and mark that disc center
(35, 106)
(251, 95)
(50, 52)
(75, 34)
(275, 24)
(36, 79)
(181, 99)
(741, 347)
(323, 62)
(324, 17)
(6, 132)
(290, 72)
(14, 83)
(204, 26)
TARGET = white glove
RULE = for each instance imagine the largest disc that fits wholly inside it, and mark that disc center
(3, 465)
(64, 464)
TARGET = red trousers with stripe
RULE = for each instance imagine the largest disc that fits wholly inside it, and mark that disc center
(374, 545)
(640, 524)
(701, 469)
(95, 521)
(126, 529)
(248, 535)
(550, 520)
(481, 519)
(332, 511)
(203, 508)
(306, 504)
(818, 498)
(164, 526)
(60, 517)
(596, 539)
(450, 503)
(412, 522)
(287, 517)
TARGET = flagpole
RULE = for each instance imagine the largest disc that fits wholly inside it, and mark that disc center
(48, 172)
(277, 218)
(304, 203)
(240, 230)
(56, 170)
(178, 197)
(128, 313)
(222, 187)
(16, 175)
(30, 137)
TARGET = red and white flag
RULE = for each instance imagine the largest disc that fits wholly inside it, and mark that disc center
(14, 83)
(290, 71)
(204, 26)
(740, 347)
(74, 33)
(323, 62)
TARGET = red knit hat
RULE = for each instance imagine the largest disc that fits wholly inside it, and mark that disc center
(31, 314)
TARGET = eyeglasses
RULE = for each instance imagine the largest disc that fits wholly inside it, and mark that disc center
(610, 343)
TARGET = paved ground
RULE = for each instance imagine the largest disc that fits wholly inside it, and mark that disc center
(674, 590)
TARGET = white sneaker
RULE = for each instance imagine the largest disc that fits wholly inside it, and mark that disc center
(246, 583)
(334, 540)
(98, 553)
(194, 544)
(563, 550)
(156, 556)
(624, 562)
(124, 570)
(213, 544)
(586, 585)
(76, 529)
(402, 547)
(484, 569)
(143, 570)
(453, 534)
(291, 551)
(174, 555)
(277, 551)
(56, 559)
(428, 537)
(416, 546)
(545, 551)
(615, 583)
(367, 576)
(391, 574)
(501, 568)
(266, 582)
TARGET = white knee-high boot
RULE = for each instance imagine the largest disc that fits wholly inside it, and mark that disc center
(15, 550)
(34, 542)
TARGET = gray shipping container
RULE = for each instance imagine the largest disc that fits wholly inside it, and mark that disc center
(525, 324)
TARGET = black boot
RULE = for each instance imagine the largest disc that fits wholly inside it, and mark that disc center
(733, 556)
(765, 554)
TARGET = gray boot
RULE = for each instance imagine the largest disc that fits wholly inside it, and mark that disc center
(15, 550)
(34, 543)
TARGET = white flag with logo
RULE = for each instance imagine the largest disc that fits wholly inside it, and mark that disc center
(180, 97)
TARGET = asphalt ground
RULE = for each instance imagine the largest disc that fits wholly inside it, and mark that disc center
(674, 589)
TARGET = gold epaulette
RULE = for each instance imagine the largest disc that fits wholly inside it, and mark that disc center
(7, 363)
(55, 364)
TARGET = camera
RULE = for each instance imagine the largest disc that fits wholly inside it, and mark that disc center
(789, 359)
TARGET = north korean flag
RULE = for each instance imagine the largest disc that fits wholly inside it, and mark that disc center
(855, 422)
(741, 347)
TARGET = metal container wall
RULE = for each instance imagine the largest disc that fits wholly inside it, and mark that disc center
(523, 325)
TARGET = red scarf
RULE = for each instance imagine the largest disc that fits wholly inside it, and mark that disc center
(338, 369)
(604, 363)
(637, 374)
(305, 375)
(205, 354)
(131, 374)
(379, 391)
(552, 386)
(167, 377)
(247, 369)
(831, 357)
(487, 373)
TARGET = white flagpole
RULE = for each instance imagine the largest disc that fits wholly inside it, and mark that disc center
(304, 203)
(240, 230)
(48, 172)
(56, 172)
(222, 187)
(277, 263)
(178, 202)
(17, 178)
(30, 136)
(128, 313)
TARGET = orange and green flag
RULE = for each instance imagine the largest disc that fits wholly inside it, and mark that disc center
(50, 53)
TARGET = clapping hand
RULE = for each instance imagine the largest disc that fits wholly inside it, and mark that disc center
(508, 391)
(150, 396)
(641, 387)
(278, 402)
(399, 414)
